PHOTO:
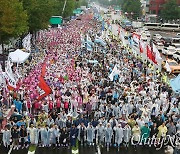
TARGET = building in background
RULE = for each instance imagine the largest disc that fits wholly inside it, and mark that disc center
(145, 6)
(155, 6)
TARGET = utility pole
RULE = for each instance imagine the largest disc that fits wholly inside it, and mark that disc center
(64, 7)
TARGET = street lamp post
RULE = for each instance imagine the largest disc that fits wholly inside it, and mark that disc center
(64, 7)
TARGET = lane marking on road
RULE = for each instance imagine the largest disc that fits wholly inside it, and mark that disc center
(10, 150)
(98, 150)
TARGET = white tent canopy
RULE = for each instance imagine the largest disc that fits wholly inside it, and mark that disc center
(18, 56)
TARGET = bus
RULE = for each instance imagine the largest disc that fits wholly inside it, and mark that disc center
(153, 26)
(170, 27)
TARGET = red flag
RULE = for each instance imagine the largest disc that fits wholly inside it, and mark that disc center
(44, 86)
(43, 72)
(154, 58)
(149, 52)
(140, 47)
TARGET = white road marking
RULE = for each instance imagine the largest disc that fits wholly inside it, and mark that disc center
(10, 150)
(98, 150)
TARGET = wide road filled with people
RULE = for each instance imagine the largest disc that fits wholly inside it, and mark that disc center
(85, 92)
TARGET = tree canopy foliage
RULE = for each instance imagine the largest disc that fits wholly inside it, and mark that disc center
(17, 17)
(131, 6)
(39, 13)
(13, 19)
(170, 10)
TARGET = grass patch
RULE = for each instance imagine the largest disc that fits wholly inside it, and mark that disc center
(75, 147)
(32, 148)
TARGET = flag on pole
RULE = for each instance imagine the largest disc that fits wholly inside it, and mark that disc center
(100, 41)
(136, 38)
(157, 55)
(149, 52)
(141, 46)
(114, 72)
(89, 47)
(27, 42)
(89, 41)
(168, 69)
(44, 89)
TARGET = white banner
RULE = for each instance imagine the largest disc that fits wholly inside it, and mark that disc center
(9, 75)
(114, 72)
(27, 42)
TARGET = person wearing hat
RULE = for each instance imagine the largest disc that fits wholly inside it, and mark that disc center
(45, 133)
(127, 134)
(100, 133)
(118, 135)
(90, 134)
(32, 133)
(108, 135)
(6, 137)
(162, 130)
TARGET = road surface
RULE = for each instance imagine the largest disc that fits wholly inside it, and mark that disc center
(88, 150)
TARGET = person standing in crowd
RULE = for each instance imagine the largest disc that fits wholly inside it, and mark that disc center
(33, 134)
(90, 134)
(153, 130)
(45, 136)
(82, 133)
(87, 102)
(23, 136)
(136, 134)
(127, 135)
(100, 133)
(64, 137)
(145, 133)
(6, 137)
(15, 137)
(73, 135)
(118, 135)
(108, 135)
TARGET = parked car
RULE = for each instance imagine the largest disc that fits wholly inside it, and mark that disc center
(178, 34)
(174, 66)
(169, 50)
(148, 34)
(157, 37)
(160, 46)
(166, 41)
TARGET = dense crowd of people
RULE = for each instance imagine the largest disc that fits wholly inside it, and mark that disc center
(85, 105)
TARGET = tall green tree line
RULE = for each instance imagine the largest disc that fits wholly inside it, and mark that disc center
(20, 16)
(170, 10)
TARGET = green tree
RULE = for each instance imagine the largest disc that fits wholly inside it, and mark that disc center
(170, 10)
(83, 2)
(132, 6)
(13, 20)
(69, 7)
(39, 13)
